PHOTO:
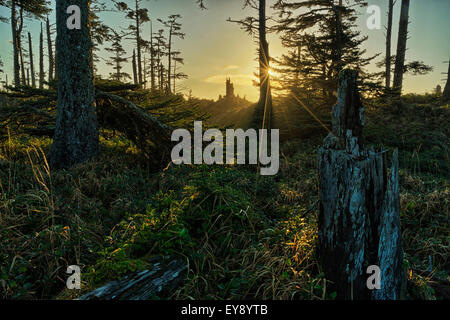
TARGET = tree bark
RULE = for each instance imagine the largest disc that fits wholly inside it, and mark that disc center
(401, 47)
(51, 63)
(160, 280)
(446, 92)
(30, 52)
(152, 58)
(359, 215)
(264, 109)
(19, 45)
(15, 44)
(135, 77)
(138, 43)
(169, 68)
(76, 131)
(388, 44)
(41, 60)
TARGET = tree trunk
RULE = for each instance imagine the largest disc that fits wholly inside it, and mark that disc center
(446, 93)
(359, 215)
(76, 133)
(388, 44)
(174, 76)
(160, 280)
(30, 52)
(51, 63)
(152, 58)
(169, 68)
(15, 44)
(144, 71)
(264, 109)
(138, 43)
(19, 45)
(41, 60)
(22, 64)
(401, 47)
(118, 67)
(135, 77)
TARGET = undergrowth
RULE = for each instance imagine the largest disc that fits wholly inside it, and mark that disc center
(112, 215)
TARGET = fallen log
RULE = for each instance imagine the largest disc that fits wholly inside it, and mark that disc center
(149, 134)
(359, 214)
(161, 279)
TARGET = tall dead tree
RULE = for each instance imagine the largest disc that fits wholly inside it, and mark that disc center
(265, 93)
(446, 93)
(359, 215)
(36, 8)
(16, 65)
(30, 54)
(401, 47)
(51, 61)
(76, 137)
(19, 45)
(41, 59)
(152, 59)
(133, 61)
(258, 25)
(388, 43)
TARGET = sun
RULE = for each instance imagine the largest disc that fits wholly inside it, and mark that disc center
(271, 72)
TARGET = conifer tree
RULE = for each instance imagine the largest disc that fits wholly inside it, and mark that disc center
(139, 16)
(325, 31)
(174, 31)
(76, 133)
(118, 58)
(257, 26)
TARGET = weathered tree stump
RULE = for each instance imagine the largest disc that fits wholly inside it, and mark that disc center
(161, 279)
(359, 215)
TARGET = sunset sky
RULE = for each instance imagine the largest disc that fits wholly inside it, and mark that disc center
(214, 49)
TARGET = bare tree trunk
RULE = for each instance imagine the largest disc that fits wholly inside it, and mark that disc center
(265, 94)
(446, 92)
(41, 59)
(51, 63)
(135, 77)
(152, 58)
(22, 64)
(174, 76)
(144, 73)
(76, 133)
(401, 47)
(15, 44)
(30, 52)
(359, 214)
(19, 45)
(388, 44)
(138, 43)
(169, 54)
(118, 67)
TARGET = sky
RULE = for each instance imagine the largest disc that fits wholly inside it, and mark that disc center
(215, 49)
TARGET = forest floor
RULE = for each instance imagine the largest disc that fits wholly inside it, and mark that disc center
(110, 216)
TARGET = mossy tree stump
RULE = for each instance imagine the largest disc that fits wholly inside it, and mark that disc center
(359, 215)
